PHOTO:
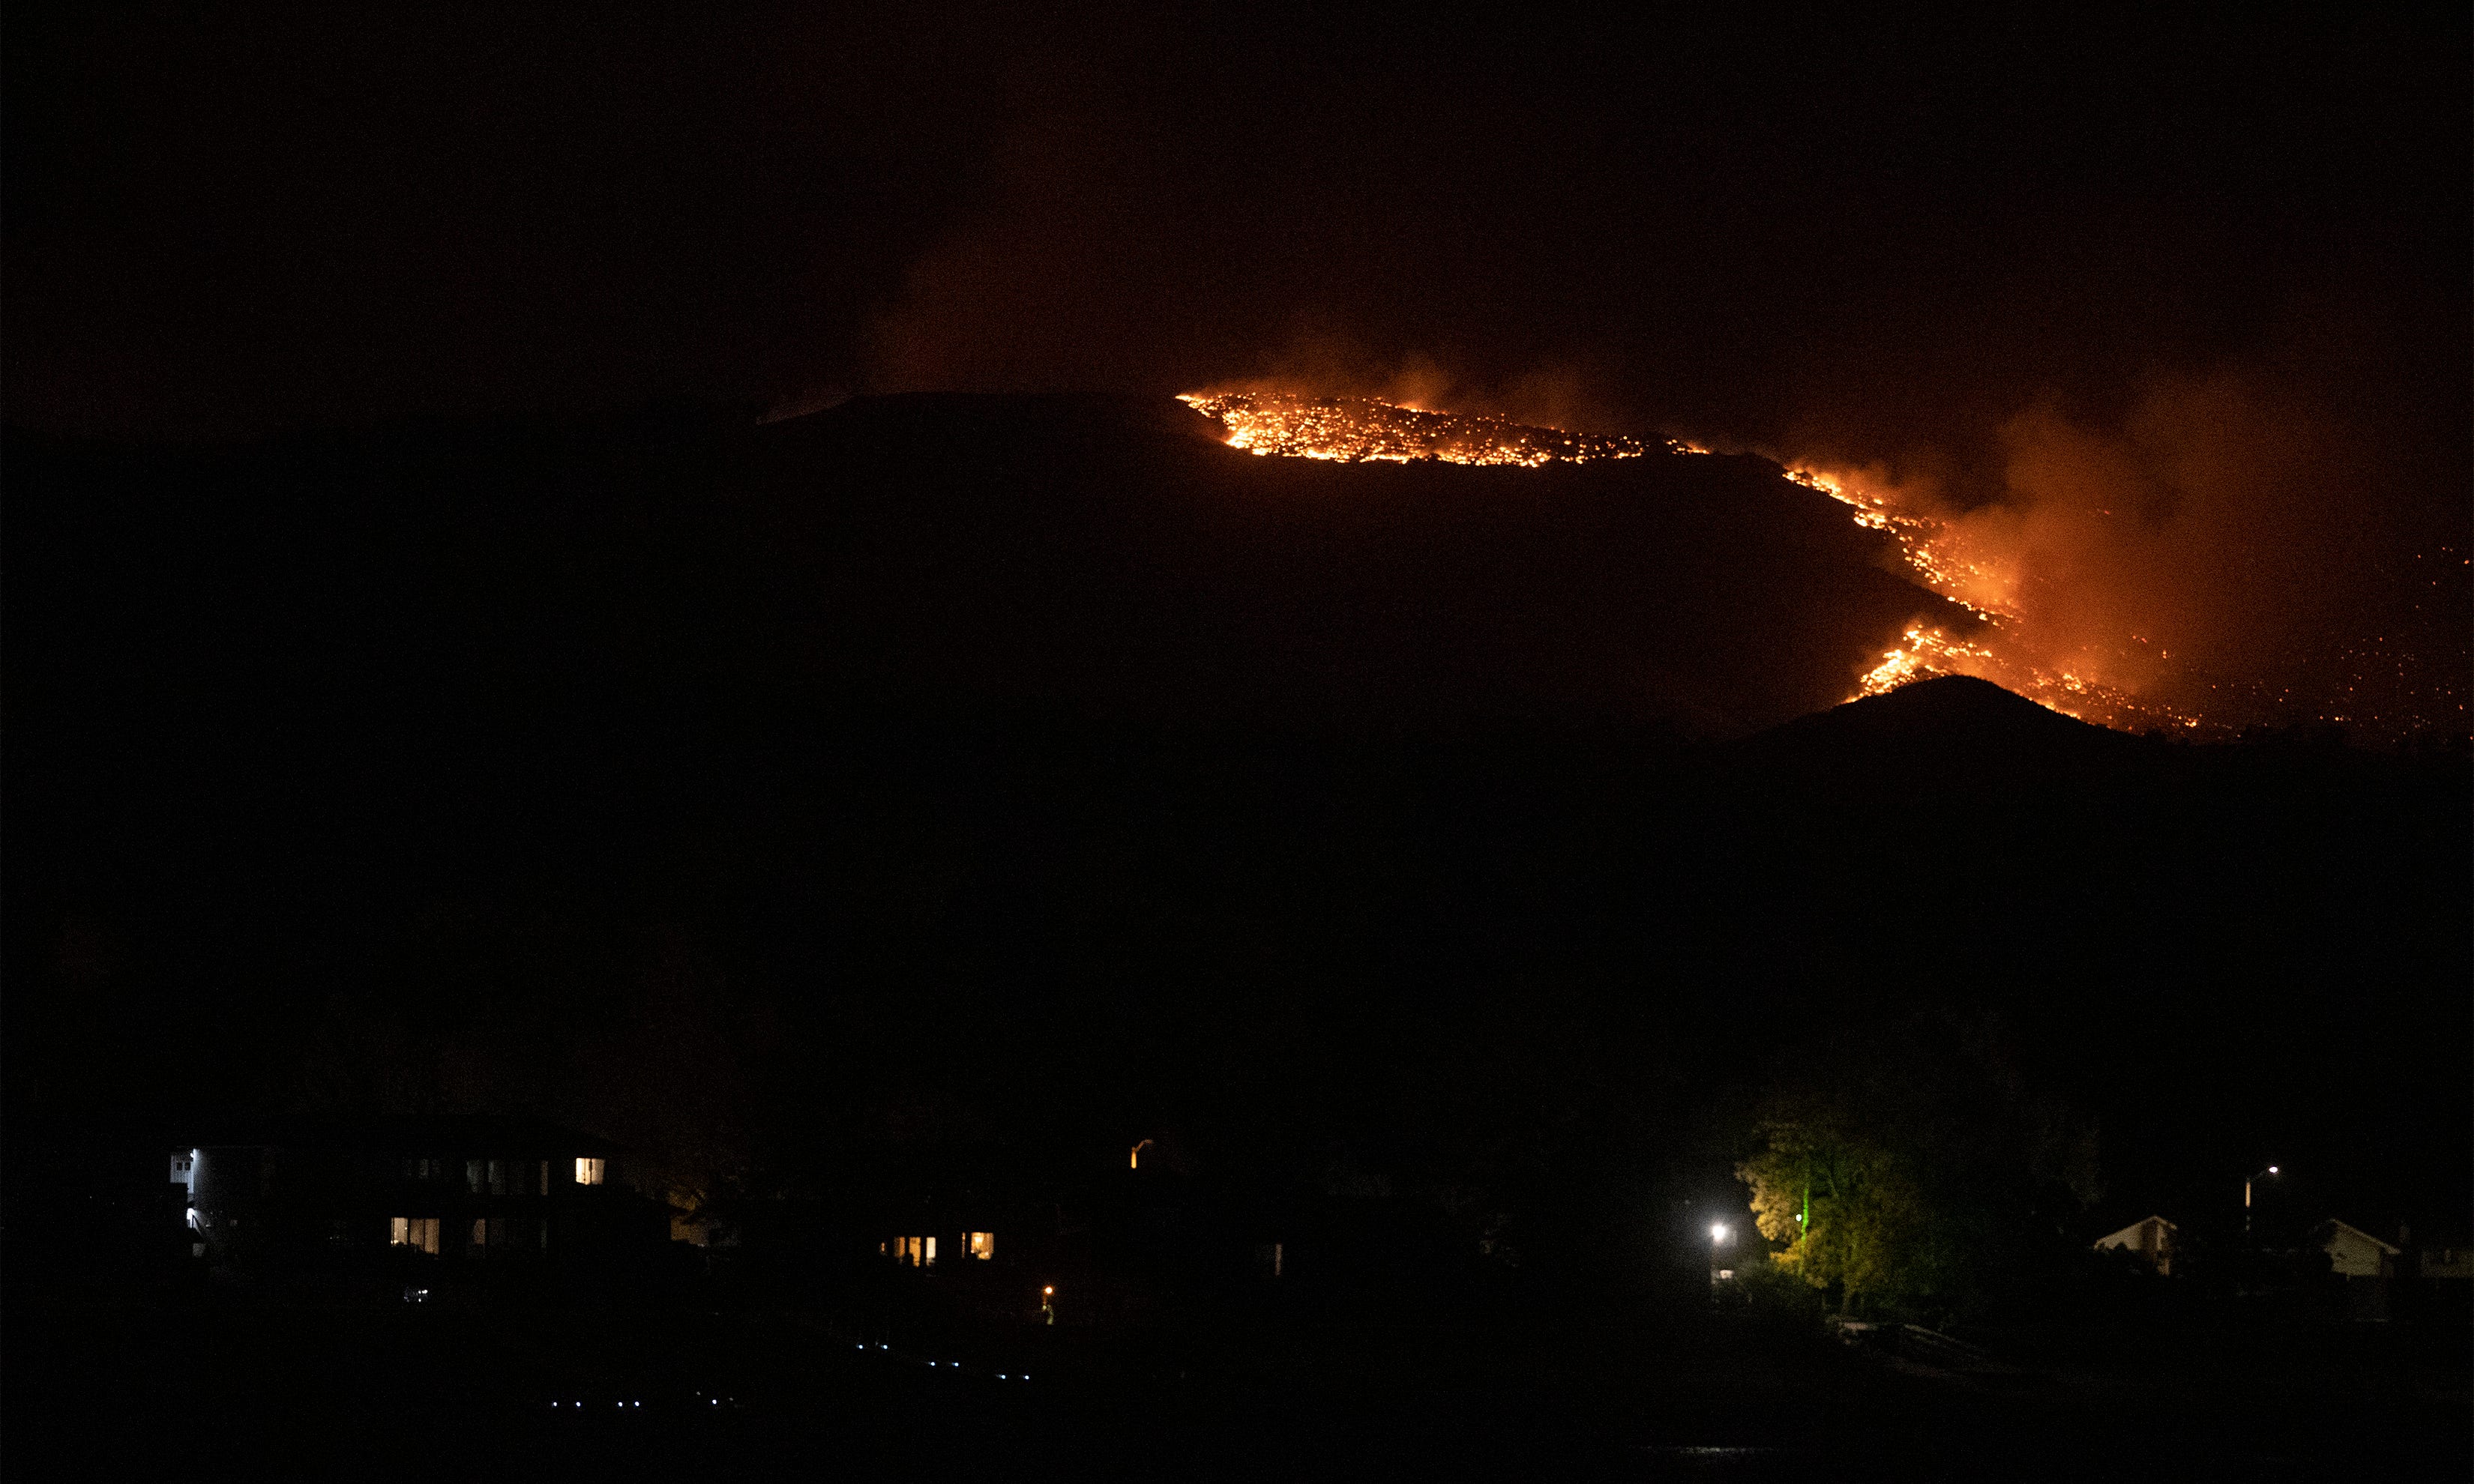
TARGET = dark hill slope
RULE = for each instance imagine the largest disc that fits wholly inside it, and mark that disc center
(673, 774)
(1955, 720)
(951, 553)
(1118, 559)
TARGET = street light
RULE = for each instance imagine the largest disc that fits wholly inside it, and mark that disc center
(1718, 1234)
(2262, 1175)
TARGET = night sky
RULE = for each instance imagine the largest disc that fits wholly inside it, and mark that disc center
(2180, 298)
(493, 551)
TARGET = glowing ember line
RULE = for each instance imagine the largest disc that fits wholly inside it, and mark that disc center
(1923, 652)
(1359, 430)
(1924, 542)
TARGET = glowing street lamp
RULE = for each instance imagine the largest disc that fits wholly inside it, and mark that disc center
(1134, 1158)
(1719, 1232)
(2262, 1175)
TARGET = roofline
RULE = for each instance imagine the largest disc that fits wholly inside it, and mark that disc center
(2169, 1226)
(2388, 1247)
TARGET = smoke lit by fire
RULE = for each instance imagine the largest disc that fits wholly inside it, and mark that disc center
(2225, 550)
(1362, 429)
(1939, 554)
(2080, 591)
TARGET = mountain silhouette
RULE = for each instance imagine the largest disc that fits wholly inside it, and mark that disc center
(1949, 720)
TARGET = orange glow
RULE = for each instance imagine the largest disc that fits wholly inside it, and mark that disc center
(1359, 430)
(1956, 561)
(1951, 561)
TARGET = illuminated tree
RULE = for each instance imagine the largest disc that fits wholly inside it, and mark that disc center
(1921, 1178)
(1853, 1216)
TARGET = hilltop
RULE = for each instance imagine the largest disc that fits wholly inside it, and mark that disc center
(1046, 754)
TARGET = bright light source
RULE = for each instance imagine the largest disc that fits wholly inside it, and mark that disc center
(1718, 1233)
(1048, 1291)
(2271, 1169)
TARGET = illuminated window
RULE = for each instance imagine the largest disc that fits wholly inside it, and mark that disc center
(476, 1175)
(543, 1187)
(982, 1245)
(918, 1251)
(587, 1172)
(498, 1177)
(418, 1233)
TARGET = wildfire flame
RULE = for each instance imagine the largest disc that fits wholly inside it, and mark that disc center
(1352, 430)
(1368, 430)
(1943, 565)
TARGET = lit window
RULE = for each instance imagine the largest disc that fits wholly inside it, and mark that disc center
(543, 1187)
(587, 1171)
(498, 1177)
(476, 1175)
(982, 1245)
(918, 1251)
(418, 1233)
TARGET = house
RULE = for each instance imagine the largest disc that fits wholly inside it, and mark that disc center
(2362, 1262)
(2151, 1238)
(452, 1191)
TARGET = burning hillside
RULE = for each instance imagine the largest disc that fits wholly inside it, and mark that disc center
(1350, 430)
(1944, 563)
(1358, 429)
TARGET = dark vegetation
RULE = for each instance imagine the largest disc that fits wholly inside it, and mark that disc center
(962, 790)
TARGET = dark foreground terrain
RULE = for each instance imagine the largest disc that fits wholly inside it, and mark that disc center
(950, 795)
(224, 1384)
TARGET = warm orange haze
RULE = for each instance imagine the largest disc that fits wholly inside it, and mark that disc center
(2045, 627)
(1365, 429)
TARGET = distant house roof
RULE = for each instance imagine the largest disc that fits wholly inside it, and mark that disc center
(2332, 1226)
(2352, 1252)
(2129, 1235)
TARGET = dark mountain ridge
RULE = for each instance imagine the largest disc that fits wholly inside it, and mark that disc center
(1105, 557)
(711, 785)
